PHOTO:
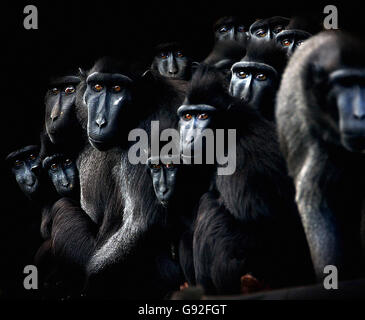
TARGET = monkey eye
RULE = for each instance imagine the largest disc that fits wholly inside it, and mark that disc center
(156, 166)
(224, 29)
(18, 163)
(241, 29)
(261, 33)
(179, 54)
(117, 88)
(55, 91)
(203, 116)
(32, 157)
(70, 89)
(170, 165)
(164, 55)
(286, 43)
(54, 166)
(187, 116)
(278, 29)
(242, 74)
(261, 77)
(98, 87)
(67, 162)
(299, 43)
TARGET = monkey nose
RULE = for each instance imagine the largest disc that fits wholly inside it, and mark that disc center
(101, 122)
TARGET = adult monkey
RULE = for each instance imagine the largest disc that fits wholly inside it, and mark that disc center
(230, 28)
(321, 124)
(256, 78)
(267, 29)
(171, 61)
(61, 131)
(290, 40)
(244, 223)
(119, 231)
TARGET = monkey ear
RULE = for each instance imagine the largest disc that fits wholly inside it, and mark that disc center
(82, 73)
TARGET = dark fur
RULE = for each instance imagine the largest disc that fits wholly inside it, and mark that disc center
(248, 223)
(329, 180)
(119, 201)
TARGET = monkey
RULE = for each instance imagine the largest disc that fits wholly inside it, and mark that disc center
(290, 40)
(63, 173)
(171, 61)
(256, 78)
(267, 29)
(26, 168)
(321, 128)
(230, 28)
(246, 218)
(118, 229)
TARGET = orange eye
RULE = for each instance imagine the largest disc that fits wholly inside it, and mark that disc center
(98, 87)
(55, 91)
(261, 33)
(203, 116)
(18, 163)
(286, 43)
(117, 88)
(179, 54)
(32, 157)
(170, 165)
(70, 90)
(163, 55)
(242, 74)
(156, 166)
(261, 77)
(67, 162)
(187, 116)
(54, 166)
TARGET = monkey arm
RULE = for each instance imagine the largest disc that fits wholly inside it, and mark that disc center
(73, 232)
(318, 220)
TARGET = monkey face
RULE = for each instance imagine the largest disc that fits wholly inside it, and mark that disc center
(26, 169)
(231, 32)
(194, 119)
(63, 174)
(290, 40)
(267, 29)
(253, 82)
(171, 64)
(60, 99)
(163, 180)
(347, 94)
(106, 96)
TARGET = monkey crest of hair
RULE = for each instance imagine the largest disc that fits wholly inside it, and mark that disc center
(266, 52)
(112, 65)
(11, 156)
(228, 20)
(206, 80)
(47, 162)
(227, 49)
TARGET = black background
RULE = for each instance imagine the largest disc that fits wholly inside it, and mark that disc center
(72, 35)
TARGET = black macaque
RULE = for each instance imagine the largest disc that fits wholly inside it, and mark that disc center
(321, 124)
(267, 29)
(256, 78)
(244, 222)
(171, 61)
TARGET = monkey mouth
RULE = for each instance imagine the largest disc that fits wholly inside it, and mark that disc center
(354, 142)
